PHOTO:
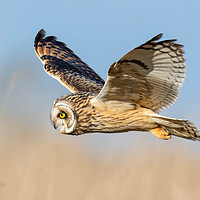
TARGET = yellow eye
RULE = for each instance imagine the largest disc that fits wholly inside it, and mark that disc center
(62, 115)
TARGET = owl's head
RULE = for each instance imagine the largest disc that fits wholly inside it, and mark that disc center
(63, 117)
(71, 113)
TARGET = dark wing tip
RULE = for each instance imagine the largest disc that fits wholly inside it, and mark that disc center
(50, 38)
(40, 36)
(157, 37)
(172, 41)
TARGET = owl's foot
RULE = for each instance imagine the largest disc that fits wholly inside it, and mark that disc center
(160, 133)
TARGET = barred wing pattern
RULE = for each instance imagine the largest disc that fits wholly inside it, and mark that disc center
(149, 75)
(61, 63)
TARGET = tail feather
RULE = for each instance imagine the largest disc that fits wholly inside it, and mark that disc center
(178, 127)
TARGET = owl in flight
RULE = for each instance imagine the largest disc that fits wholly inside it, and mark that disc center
(138, 86)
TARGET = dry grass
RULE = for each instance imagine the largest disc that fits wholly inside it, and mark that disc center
(58, 167)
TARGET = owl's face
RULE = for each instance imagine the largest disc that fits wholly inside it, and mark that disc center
(72, 114)
(63, 118)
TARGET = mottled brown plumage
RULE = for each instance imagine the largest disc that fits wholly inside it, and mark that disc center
(141, 83)
(61, 63)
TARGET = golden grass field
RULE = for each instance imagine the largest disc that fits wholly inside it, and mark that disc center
(54, 166)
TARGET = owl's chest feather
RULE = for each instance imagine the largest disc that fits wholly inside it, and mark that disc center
(118, 119)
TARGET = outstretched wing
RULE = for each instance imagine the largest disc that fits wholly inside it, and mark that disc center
(149, 75)
(61, 63)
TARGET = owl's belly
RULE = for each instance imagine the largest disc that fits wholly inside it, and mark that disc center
(133, 120)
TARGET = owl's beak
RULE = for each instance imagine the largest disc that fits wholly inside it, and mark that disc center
(54, 126)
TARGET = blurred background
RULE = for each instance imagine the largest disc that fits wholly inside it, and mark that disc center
(37, 162)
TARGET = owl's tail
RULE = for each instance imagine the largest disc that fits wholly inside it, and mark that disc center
(178, 127)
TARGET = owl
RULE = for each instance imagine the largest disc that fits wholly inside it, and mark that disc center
(138, 86)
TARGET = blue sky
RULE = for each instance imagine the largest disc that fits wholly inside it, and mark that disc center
(99, 32)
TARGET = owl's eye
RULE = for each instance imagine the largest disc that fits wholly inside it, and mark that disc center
(62, 115)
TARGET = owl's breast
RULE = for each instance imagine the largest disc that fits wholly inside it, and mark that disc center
(123, 119)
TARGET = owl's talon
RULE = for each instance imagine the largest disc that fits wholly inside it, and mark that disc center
(160, 133)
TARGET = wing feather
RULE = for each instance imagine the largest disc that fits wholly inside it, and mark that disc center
(61, 63)
(149, 75)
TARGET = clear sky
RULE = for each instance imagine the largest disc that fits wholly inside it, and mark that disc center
(99, 32)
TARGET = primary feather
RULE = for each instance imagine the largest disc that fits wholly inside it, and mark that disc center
(61, 63)
(149, 75)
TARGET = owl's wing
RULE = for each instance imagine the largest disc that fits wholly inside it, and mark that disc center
(149, 75)
(61, 63)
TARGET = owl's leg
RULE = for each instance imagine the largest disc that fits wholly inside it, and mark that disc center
(160, 133)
